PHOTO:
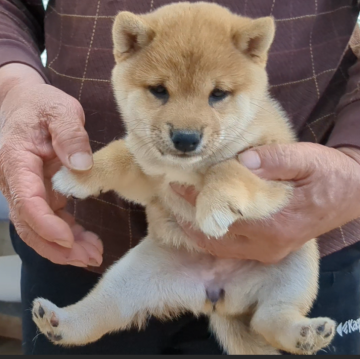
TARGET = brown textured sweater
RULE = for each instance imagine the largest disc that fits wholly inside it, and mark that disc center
(313, 72)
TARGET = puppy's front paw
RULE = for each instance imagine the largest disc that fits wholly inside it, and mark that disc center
(217, 208)
(216, 212)
(75, 184)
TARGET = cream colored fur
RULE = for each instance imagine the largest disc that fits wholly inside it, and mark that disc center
(191, 49)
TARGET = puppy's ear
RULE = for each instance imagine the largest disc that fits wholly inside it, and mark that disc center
(130, 34)
(254, 37)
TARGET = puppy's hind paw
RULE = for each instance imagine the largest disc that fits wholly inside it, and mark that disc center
(48, 318)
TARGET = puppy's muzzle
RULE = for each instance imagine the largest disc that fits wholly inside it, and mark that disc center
(185, 140)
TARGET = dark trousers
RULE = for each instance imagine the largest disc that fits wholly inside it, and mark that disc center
(339, 299)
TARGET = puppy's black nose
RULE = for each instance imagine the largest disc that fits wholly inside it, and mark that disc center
(185, 141)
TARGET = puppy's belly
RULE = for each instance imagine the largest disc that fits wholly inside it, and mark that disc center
(215, 275)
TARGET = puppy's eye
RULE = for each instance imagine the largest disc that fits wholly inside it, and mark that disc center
(218, 95)
(159, 92)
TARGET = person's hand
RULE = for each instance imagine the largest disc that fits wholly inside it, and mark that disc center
(326, 196)
(42, 128)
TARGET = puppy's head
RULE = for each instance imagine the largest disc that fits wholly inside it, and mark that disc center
(188, 76)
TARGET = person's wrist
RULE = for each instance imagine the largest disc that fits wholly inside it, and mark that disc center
(354, 154)
(15, 74)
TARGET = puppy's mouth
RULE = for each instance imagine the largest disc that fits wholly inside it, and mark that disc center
(185, 155)
(180, 155)
(177, 156)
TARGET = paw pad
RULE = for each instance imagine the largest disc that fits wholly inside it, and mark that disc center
(46, 317)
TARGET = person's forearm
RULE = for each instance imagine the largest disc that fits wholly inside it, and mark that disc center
(22, 36)
(354, 153)
(14, 74)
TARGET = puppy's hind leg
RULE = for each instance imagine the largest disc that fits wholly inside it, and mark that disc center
(147, 281)
(284, 302)
(237, 338)
(286, 328)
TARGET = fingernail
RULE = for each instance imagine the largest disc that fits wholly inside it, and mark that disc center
(181, 190)
(76, 264)
(62, 243)
(250, 159)
(93, 263)
(81, 161)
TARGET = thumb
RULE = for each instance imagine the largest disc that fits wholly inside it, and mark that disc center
(281, 162)
(70, 139)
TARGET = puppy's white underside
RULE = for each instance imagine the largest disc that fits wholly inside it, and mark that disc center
(167, 281)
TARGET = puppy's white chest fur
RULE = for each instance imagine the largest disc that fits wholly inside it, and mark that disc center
(168, 172)
(189, 178)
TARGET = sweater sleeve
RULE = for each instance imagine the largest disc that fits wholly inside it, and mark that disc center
(346, 131)
(22, 33)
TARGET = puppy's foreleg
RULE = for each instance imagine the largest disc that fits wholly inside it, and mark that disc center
(232, 192)
(114, 169)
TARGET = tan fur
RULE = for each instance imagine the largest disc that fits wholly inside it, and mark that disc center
(192, 49)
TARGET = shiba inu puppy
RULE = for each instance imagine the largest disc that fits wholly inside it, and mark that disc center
(191, 84)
